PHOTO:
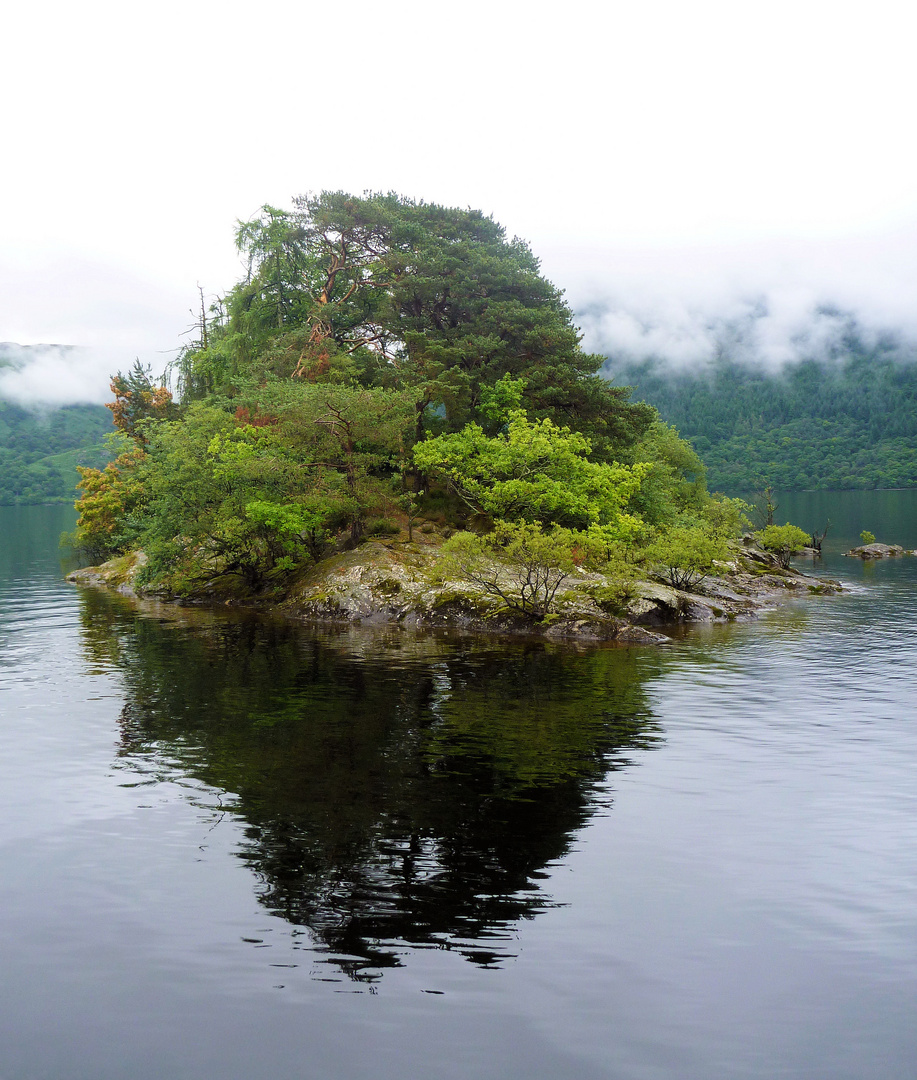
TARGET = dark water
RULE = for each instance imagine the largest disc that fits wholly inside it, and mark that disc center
(234, 848)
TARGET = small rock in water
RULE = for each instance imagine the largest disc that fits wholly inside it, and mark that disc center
(876, 551)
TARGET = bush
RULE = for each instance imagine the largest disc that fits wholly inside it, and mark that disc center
(685, 554)
(783, 540)
(518, 563)
(382, 527)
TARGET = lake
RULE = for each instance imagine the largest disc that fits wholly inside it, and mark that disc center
(234, 847)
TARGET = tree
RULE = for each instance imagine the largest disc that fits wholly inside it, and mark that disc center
(783, 540)
(517, 562)
(685, 553)
(138, 398)
(535, 471)
(675, 481)
(248, 496)
(108, 498)
(420, 296)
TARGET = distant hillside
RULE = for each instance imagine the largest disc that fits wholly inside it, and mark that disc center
(41, 445)
(40, 449)
(848, 422)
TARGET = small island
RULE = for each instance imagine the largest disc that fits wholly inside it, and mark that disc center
(391, 418)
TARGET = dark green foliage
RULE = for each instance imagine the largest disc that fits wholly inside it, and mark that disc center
(40, 449)
(849, 422)
(402, 294)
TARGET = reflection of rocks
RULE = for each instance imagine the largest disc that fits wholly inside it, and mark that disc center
(878, 551)
(394, 790)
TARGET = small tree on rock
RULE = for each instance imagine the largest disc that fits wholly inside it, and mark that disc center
(783, 541)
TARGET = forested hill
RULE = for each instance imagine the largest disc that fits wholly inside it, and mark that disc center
(40, 449)
(848, 422)
(41, 445)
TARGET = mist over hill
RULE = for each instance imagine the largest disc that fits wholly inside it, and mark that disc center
(45, 376)
(770, 387)
(42, 441)
(840, 414)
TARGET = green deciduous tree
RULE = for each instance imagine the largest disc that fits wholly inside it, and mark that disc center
(518, 563)
(685, 553)
(249, 495)
(783, 540)
(535, 471)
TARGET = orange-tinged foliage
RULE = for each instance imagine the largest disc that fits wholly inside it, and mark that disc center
(135, 401)
(257, 419)
(108, 494)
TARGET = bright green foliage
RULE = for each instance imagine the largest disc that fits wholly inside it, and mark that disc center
(518, 563)
(685, 553)
(783, 540)
(291, 526)
(536, 471)
(229, 499)
(725, 517)
(500, 401)
(675, 478)
(867, 537)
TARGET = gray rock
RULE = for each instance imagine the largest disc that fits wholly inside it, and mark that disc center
(876, 551)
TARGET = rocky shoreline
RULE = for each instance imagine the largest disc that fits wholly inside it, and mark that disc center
(393, 582)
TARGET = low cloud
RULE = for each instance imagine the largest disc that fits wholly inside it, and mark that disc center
(762, 304)
(51, 375)
(102, 315)
(767, 305)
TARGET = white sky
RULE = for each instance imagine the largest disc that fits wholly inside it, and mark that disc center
(676, 162)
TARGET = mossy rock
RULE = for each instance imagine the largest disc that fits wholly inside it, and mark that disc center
(477, 603)
(612, 599)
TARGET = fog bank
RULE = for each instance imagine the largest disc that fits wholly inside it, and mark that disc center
(767, 304)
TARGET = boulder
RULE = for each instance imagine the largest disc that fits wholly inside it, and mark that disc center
(876, 551)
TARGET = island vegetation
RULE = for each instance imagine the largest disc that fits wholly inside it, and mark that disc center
(387, 366)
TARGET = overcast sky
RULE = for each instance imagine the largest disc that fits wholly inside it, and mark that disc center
(674, 164)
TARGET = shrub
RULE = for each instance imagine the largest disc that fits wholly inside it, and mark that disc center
(685, 554)
(783, 540)
(517, 563)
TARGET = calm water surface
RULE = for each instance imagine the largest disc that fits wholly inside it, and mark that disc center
(235, 848)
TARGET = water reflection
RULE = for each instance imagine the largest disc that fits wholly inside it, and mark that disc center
(397, 791)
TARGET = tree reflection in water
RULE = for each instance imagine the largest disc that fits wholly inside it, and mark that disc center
(396, 790)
